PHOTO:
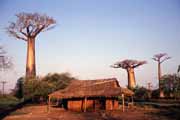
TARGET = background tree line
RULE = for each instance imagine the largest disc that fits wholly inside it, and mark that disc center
(38, 88)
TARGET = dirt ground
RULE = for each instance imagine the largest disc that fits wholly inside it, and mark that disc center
(39, 112)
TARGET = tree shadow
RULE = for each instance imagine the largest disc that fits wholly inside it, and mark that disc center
(171, 113)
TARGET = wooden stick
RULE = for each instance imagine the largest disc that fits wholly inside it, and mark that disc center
(85, 100)
(49, 102)
(123, 102)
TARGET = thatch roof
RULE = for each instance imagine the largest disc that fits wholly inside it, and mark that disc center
(92, 88)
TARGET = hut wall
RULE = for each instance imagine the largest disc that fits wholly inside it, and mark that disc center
(90, 105)
(116, 105)
(75, 105)
(109, 105)
(112, 104)
(79, 105)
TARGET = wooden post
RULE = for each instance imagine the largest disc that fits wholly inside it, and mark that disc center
(132, 100)
(94, 105)
(123, 102)
(49, 103)
(57, 101)
(85, 100)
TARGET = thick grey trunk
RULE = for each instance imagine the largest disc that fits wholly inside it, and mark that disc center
(131, 78)
(30, 64)
(161, 93)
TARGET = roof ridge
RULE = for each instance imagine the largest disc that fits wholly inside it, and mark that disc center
(97, 79)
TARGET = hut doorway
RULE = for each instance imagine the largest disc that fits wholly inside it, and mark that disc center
(100, 104)
(64, 104)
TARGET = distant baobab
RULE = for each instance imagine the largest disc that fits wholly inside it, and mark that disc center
(160, 58)
(129, 66)
(27, 27)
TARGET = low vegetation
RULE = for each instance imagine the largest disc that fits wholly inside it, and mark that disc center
(38, 88)
(8, 101)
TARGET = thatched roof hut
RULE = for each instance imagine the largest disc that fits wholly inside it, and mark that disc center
(101, 88)
(92, 88)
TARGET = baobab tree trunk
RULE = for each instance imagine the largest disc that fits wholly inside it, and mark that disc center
(30, 65)
(161, 93)
(131, 78)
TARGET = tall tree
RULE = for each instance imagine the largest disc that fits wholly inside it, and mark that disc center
(129, 66)
(160, 58)
(27, 27)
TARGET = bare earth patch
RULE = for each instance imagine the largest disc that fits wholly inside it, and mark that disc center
(40, 113)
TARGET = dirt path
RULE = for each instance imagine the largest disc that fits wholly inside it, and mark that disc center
(40, 113)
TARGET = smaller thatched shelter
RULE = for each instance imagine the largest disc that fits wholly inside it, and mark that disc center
(82, 95)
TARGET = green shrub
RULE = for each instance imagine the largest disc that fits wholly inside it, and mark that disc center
(36, 88)
(8, 101)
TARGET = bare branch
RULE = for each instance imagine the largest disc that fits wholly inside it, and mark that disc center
(139, 64)
(155, 59)
(13, 33)
(23, 33)
(166, 58)
(114, 66)
(28, 32)
(38, 30)
(49, 28)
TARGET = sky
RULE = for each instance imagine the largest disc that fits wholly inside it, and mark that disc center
(91, 35)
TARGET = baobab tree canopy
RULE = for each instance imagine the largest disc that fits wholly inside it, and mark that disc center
(161, 57)
(30, 25)
(125, 64)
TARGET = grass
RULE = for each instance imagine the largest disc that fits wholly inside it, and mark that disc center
(8, 101)
(171, 113)
(19, 113)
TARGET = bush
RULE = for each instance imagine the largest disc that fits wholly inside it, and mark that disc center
(8, 101)
(141, 93)
(19, 88)
(155, 94)
(36, 88)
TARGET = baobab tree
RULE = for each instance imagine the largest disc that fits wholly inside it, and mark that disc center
(129, 66)
(27, 27)
(160, 58)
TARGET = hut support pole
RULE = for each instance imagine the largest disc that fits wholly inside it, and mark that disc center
(57, 102)
(123, 102)
(132, 100)
(49, 103)
(85, 101)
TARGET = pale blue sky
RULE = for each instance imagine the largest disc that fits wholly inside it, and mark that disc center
(93, 34)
